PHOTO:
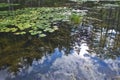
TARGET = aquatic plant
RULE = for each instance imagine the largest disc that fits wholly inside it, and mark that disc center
(35, 21)
(75, 18)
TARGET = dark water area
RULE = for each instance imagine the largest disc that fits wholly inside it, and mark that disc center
(90, 51)
(15, 48)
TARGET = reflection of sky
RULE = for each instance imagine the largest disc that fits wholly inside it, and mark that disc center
(82, 66)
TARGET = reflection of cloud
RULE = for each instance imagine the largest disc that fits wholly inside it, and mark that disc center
(3, 74)
(82, 66)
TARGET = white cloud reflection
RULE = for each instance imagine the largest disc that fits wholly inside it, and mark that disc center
(82, 66)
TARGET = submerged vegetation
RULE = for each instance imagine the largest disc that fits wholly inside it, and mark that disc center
(19, 51)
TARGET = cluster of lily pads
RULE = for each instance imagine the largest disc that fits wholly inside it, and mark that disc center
(36, 21)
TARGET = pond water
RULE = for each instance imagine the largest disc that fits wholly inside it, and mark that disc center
(82, 53)
(74, 66)
(78, 64)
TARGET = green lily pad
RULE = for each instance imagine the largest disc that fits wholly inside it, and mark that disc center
(42, 35)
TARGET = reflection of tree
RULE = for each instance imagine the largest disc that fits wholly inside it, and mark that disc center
(106, 22)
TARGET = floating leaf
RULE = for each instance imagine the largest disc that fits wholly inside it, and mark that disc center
(33, 33)
(42, 35)
(55, 27)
